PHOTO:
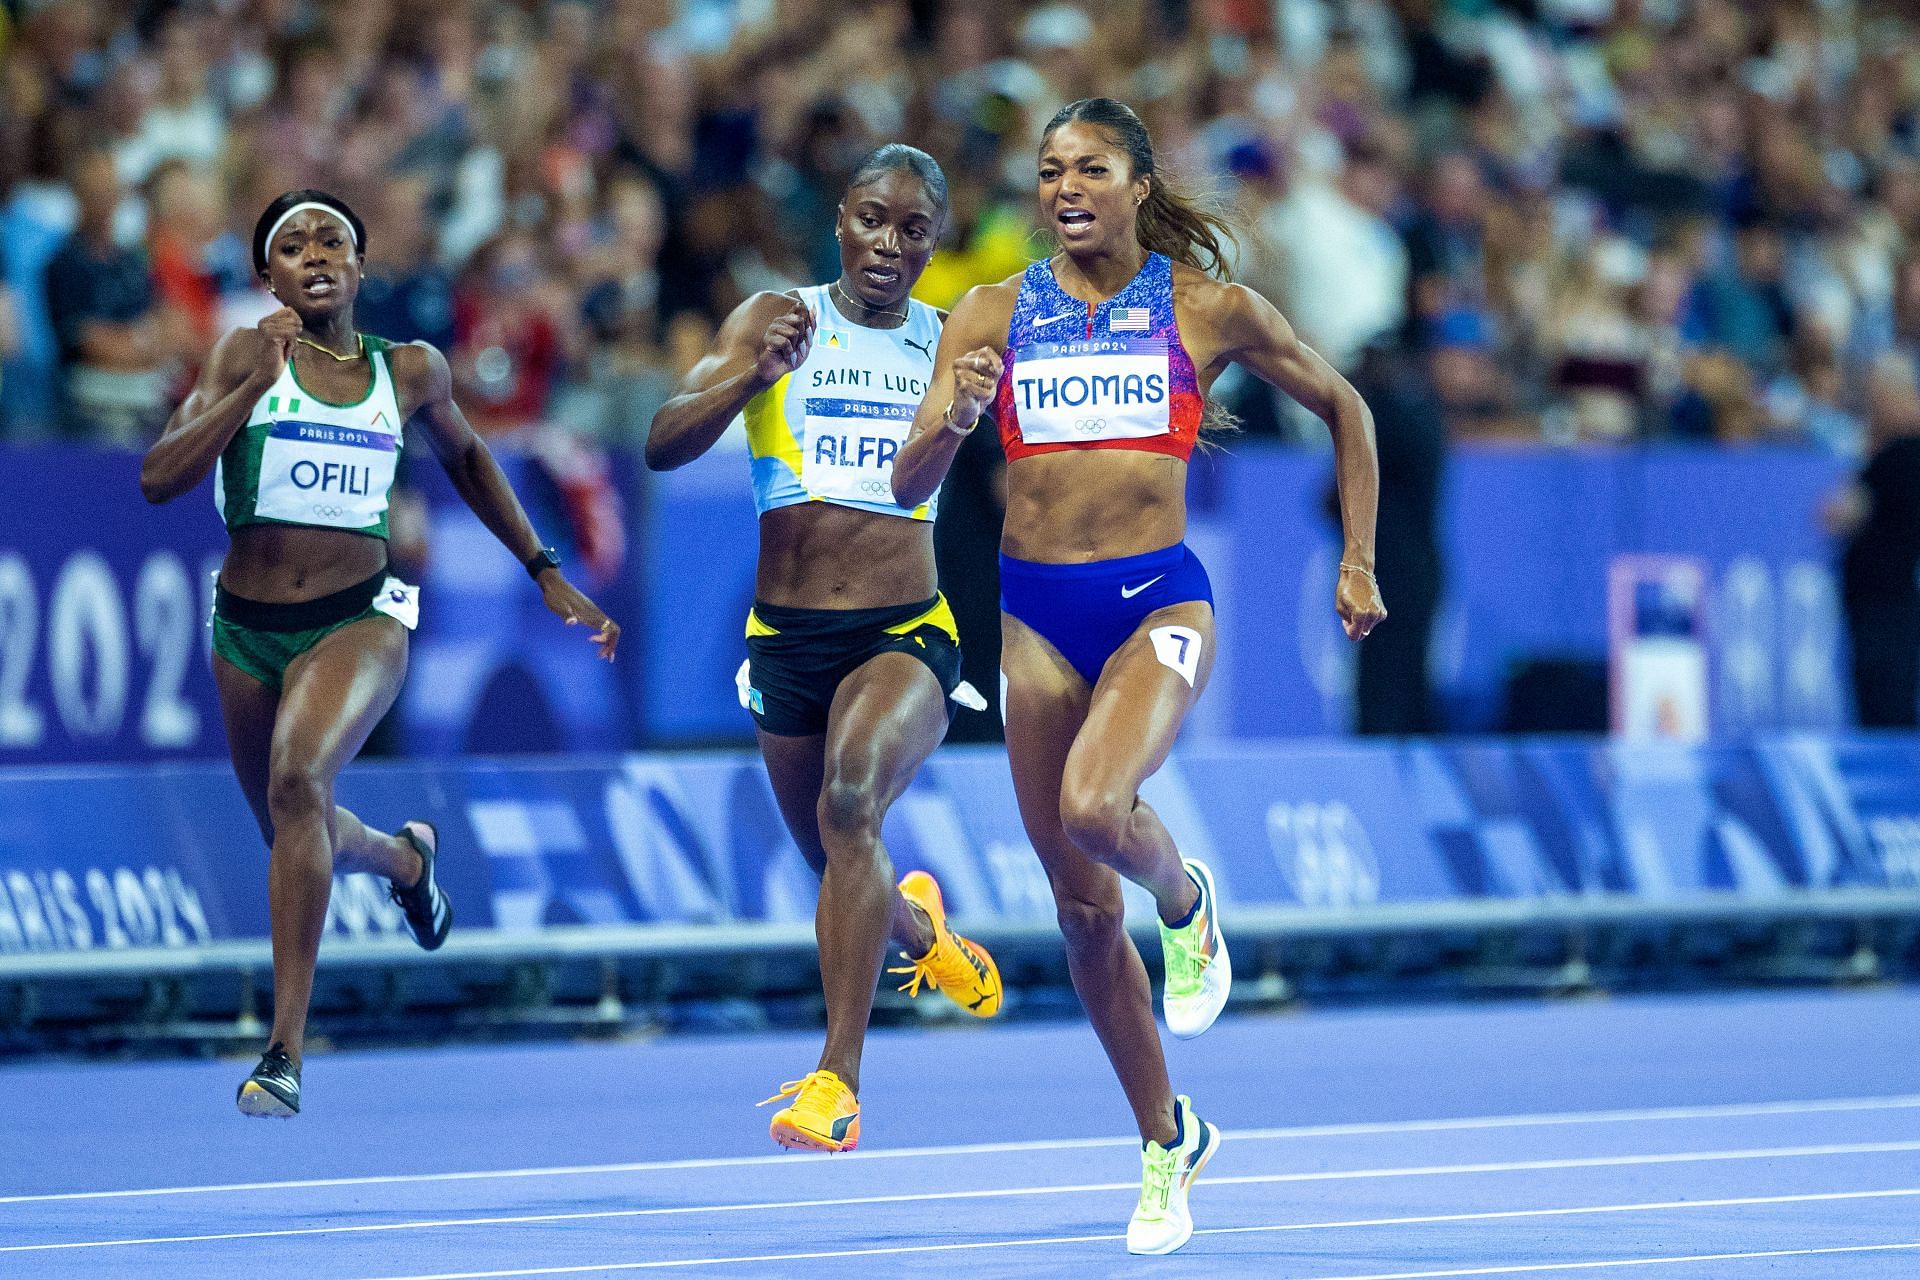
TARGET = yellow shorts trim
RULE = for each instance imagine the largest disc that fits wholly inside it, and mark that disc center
(941, 616)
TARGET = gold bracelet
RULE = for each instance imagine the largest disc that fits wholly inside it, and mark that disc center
(1354, 568)
(946, 420)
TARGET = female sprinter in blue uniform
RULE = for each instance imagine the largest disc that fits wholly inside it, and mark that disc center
(300, 420)
(853, 660)
(1096, 365)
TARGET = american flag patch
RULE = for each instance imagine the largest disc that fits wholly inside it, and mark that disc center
(1127, 320)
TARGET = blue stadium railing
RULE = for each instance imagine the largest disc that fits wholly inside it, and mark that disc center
(662, 889)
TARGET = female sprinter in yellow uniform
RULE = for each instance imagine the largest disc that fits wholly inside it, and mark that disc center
(852, 654)
(1096, 365)
(302, 418)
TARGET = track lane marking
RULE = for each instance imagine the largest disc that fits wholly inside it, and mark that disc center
(1897, 1102)
(1036, 1241)
(921, 1197)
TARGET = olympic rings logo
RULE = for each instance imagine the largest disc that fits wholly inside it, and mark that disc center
(876, 488)
(329, 513)
(1089, 426)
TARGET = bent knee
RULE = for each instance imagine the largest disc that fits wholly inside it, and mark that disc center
(849, 806)
(296, 793)
(1088, 924)
(1095, 818)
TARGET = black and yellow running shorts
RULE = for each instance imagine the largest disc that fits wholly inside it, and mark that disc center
(261, 638)
(796, 658)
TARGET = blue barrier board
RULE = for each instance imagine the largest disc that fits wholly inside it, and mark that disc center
(112, 857)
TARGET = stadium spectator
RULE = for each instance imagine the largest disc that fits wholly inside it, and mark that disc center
(116, 356)
(193, 261)
(1339, 270)
(1446, 242)
(1879, 518)
(1393, 691)
(1767, 154)
(407, 293)
(510, 347)
(181, 120)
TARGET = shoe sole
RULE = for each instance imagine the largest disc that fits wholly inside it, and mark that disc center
(1222, 962)
(797, 1139)
(263, 1104)
(1213, 1145)
(937, 913)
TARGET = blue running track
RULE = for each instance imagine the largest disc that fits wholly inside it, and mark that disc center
(1676, 1138)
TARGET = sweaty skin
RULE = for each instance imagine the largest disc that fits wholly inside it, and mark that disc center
(834, 789)
(1079, 754)
(289, 745)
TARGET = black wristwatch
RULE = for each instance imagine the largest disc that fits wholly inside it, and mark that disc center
(544, 558)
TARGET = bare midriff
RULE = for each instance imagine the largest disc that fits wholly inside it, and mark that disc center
(1093, 504)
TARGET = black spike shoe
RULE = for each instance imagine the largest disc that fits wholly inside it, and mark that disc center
(428, 910)
(274, 1087)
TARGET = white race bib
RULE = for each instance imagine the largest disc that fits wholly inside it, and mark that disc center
(318, 473)
(1115, 388)
(848, 448)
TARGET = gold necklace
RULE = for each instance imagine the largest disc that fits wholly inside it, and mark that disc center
(853, 302)
(360, 348)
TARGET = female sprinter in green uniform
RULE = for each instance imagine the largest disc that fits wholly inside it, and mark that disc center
(1096, 365)
(852, 653)
(302, 418)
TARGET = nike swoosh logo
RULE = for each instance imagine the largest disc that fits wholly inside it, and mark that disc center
(1128, 593)
(1064, 315)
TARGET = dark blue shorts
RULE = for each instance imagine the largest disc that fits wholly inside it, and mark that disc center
(1087, 611)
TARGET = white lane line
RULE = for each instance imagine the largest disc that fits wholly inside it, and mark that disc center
(1514, 1269)
(1821, 1106)
(1538, 1267)
(922, 1197)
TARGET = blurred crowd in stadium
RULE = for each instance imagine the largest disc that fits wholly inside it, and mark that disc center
(1555, 220)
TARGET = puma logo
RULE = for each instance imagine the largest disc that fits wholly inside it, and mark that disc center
(925, 349)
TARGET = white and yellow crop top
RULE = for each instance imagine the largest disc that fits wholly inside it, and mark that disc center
(830, 430)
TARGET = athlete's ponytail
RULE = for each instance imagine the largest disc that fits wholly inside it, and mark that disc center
(1175, 222)
(1172, 219)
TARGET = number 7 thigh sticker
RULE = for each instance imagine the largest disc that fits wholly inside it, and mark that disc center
(1178, 649)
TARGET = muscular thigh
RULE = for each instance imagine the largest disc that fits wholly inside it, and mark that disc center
(1144, 694)
(335, 693)
(1045, 702)
(248, 708)
(887, 717)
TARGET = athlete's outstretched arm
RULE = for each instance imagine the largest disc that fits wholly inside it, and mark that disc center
(966, 371)
(764, 340)
(423, 380)
(1258, 337)
(240, 369)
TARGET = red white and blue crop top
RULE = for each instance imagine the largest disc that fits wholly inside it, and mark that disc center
(1111, 376)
